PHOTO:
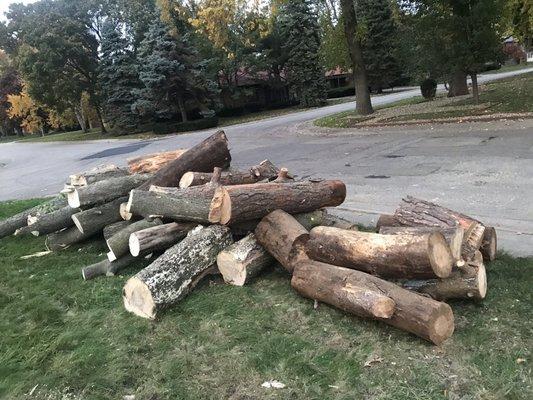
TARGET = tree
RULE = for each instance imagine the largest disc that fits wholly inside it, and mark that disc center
(31, 115)
(10, 84)
(301, 34)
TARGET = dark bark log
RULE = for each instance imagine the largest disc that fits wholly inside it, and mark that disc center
(99, 173)
(391, 256)
(107, 268)
(152, 162)
(118, 244)
(158, 238)
(425, 317)
(113, 228)
(65, 238)
(489, 244)
(96, 219)
(283, 176)
(49, 223)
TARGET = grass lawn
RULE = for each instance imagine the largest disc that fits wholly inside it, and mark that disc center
(74, 340)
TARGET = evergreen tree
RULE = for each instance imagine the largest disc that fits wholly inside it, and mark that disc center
(118, 79)
(301, 32)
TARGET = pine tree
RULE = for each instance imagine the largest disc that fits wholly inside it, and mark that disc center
(118, 78)
(301, 32)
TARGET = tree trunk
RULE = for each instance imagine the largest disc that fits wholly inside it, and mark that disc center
(168, 279)
(425, 317)
(65, 238)
(113, 228)
(458, 84)
(104, 191)
(96, 219)
(100, 119)
(475, 87)
(212, 152)
(118, 244)
(183, 110)
(238, 203)
(158, 238)
(96, 174)
(243, 260)
(49, 223)
(489, 244)
(152, 162)
(390, 256)
(80, 118)
(107, 268)
(283, 237)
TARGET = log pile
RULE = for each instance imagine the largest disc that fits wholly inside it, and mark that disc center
(186, 214)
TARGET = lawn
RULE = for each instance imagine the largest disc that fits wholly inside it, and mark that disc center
(65, 338)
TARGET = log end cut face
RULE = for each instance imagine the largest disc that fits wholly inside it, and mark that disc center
(73, 199)
(440, 256)
(233, 272)
(135, 246)
(138, 299)
(441, 325)
(482, 283)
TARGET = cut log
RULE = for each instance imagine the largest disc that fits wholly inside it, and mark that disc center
(9, 225)
(283, 176)
(48, 223)
(104, 191)
(153, 162)
(65, 238)
(158, 238)
(96, 219)
(386, 220)
(212, 152)
(124, 214)
(107, 268)
(489, 245)
(246, 202)
(364, 295)
(415, 212)
(168, 278)
(392, 256)
(243, 260)
(113, 228)
(453, 236)
(118, 244)
(336, 222)
(283, 237)
(96, 174)
(265, 170)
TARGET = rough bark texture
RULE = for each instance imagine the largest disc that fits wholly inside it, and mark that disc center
(489, 244)
(65, 238)
(49, 223)
(113, 228)
(247, 202)
(96, 219)
(118, 244)
(212, 152)
(168, 278)
(158, 238)
(99, 173)
(105, 191)
(153, 162)
(283, 237)
(107, 268)
(393, 256)
(425, 317)
(243, 260)
(386, 220)
(458, 85)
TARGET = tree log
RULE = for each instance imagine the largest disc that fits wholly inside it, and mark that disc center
(364, 295)
(238, 203)
(118, 244)
(283, 176)
(489, 245)
(393, 256)
(124, 214)
(96, 174)
(212, 152)
(49, 223)
(104, 191)
(65, 238)
(283, 237)
(386, 220)
(107, 268)
(168, 278)
(96, 219)
(158, 238)
(113, 228)
(153, 162)
(243, 260)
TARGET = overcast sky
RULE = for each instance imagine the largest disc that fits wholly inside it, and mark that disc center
(4, 6)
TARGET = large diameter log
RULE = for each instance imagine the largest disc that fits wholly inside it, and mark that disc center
(107, 268)
(168, 278)
(104, 191)
(212, 152)
(113, 228)
(158, 238)
(9, 225)
(238, 203)
(48, 223)
(118, 244)
(283, 237)
(152, 162)
(96, 174)
(346, 288)
(96, 219)
(243, 260)
(65, 238)
(489, 244)
(393, 256)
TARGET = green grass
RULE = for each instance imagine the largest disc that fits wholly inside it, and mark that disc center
(508, 68)
(75, 340)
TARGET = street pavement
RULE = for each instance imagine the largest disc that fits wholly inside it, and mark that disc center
(482, 169)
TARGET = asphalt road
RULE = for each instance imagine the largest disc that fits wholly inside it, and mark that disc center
(483, 169)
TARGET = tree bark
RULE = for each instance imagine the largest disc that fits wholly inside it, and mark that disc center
(113, 228)
(49, 223)
(475, 87)
(489, 244)
(107, 268)
(243, 260)
(169, 277)
(158, 238)
(99, 173)
(183, 110)
(458, 84)
(212, 152)
(283, 237)
(238, 203)
(96, 219)
(152, 162)
(65, 238)
(386, 220)
(422, 316)
(390, 256)
(118, 244)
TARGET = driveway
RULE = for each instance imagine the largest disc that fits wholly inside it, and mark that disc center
(482, 169)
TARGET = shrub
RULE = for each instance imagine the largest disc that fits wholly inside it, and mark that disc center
(428, 87)
(342, 91)
(164, 128)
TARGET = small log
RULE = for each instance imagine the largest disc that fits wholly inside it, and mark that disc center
(124, 214)
(365, 295)
(393, 256)
(107, 268)
(65, 238)
(283, 237)
(337, 222)
(265, 170)
(238, 203)
(113, 228)
(212, 152)
(152, 162)
(118, 244)
(283, 176)
(96, 174)
(386, 220)
(96, 219)
(49, 223)
(158, 238)
(168, 278)
(243, 260)
(104, 191)
(489, 245)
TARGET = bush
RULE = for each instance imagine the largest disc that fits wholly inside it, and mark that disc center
(341, 92)
(428, 87)
(164, 128)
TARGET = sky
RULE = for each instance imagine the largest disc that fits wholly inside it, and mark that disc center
(4, 6)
